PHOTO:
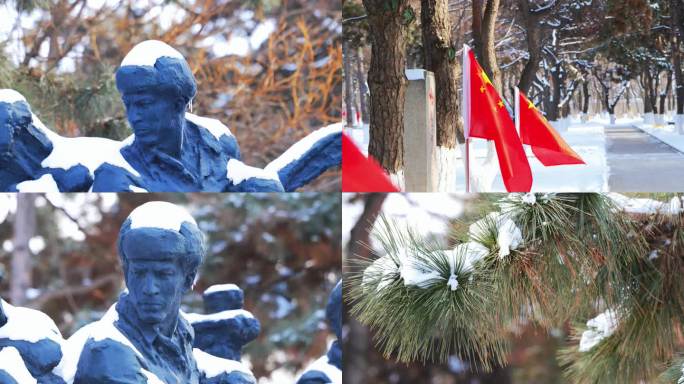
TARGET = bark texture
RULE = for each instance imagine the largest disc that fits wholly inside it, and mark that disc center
(440, 58)
(387, 81)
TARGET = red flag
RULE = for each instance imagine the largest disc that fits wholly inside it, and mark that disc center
(546, 143)
(487, 118)
(361, 173)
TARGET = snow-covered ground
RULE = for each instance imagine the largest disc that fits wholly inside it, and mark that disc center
(666, 133)
(587, 139)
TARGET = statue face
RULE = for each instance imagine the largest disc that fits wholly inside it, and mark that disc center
(154, 117)
(155, 276)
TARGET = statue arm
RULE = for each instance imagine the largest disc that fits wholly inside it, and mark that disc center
(309, 157)
(244, 178)
(24, 143)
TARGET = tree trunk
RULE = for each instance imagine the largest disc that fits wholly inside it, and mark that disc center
(348, 85)
(534, 46)
(361, 80)
(665, 93)
(647, 83)
(489, 62)
(440, 58)
(677, 35)
(24, 230)
(552, 113)
(585, 101)
(387, 82)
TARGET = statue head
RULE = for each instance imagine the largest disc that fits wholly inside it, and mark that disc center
(161, 249)
(156, 86)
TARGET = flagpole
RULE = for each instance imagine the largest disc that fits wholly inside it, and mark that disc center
(465, 111)
(467, 172)
(517, 110)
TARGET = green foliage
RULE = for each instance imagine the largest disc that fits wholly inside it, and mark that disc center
(580, 255)
(440, 320)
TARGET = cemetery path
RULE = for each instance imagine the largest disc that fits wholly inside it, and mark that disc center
(639, 162)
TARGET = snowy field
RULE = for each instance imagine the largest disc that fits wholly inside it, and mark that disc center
(587, 139)
(666, 133)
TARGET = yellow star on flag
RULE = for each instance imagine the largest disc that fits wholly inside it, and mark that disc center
(485, 79)
(482, 89)
(500, 104)
(530, 105)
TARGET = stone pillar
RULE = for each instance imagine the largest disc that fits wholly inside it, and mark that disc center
(420, 132)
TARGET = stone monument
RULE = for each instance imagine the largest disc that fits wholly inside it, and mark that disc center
(171, 150)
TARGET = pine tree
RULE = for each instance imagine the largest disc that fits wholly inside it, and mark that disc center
(608, 265)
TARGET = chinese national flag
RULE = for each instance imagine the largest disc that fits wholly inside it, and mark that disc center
(547, 145)
(360, 173)
(487, 118)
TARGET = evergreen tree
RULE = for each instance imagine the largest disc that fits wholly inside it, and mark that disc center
(608, 261)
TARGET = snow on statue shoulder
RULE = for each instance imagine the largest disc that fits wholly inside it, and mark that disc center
(170, 150)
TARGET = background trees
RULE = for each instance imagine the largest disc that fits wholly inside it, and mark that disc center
(283, 250)
(270, 70)
(546, 47)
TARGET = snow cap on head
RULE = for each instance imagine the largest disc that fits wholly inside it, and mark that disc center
(157, 217)
(160, 214)
(156, 66)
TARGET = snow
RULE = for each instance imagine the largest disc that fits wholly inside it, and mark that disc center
(585, 138)
(600, 327)
(415, 74)
(667, 133)
(215, 127)
(221, 288)
(12, 363)
(646, 206)
(467, 254)
(302, 146)
(5, 205)
(529, 198)
(238, 172)
(452, 282)
(213, 366)
(147, 53)
(414, 272)
(98, 331)
(508, 235)
(43, 184)
(28, 325)
(91, 152)
(425, 212)
(398, 179)
(322, 364)
(446, 160)
(11, 96)
(160, 214)
(223, 315)
(381, 271)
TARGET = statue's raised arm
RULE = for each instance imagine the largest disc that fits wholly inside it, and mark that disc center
(35, 159)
